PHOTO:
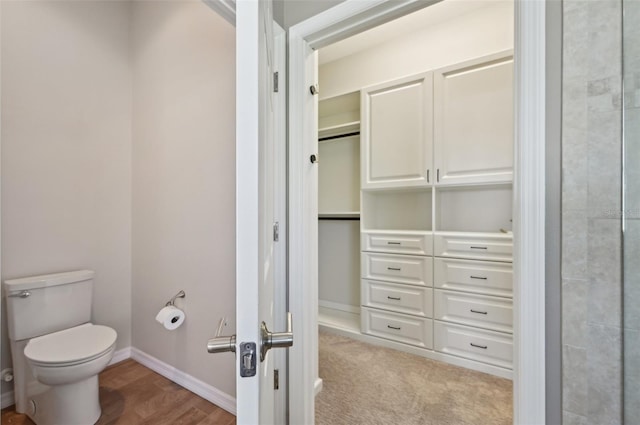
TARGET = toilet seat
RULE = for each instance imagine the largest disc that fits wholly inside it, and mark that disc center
(71, 346)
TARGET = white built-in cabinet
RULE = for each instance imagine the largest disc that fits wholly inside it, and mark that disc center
(435, 204)
(473, 116)
(397, 124)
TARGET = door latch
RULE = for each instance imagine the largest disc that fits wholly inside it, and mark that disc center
(247, 359)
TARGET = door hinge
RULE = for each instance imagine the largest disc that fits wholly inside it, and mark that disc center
(275, 82)
(276, 379)
(276, 231)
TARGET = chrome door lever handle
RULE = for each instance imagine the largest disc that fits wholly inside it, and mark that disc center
(221, 344)
(275, 339)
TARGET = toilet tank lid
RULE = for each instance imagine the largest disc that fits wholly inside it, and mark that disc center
(42, 281)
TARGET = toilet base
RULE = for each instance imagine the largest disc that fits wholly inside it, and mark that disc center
(71, 404)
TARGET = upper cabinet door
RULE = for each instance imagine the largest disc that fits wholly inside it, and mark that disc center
(473, 121)
(397, 133)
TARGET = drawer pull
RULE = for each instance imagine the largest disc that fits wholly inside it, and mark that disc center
(395, 269)
(478, 247)
(394, 243)
(478, 311)
(393, 327)
(393, 298)
(478, 277)
(484, 347)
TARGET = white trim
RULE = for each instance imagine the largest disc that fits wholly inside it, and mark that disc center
(196, 386)
(529, 213)
(348, 18)
(224, 8)
(317, 386)
(421, 352)
(120, 355)
(338, 306)
(352, 17)
(250, 90)
(6, 399)
(303, 233)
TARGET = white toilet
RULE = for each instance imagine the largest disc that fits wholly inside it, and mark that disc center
(57, 353)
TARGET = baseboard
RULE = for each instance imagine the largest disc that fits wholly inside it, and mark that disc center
(120, 355)
(317, 386)
(6, 399)
(196, 386)
(339, 306)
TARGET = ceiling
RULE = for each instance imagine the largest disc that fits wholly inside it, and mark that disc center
(429, 16)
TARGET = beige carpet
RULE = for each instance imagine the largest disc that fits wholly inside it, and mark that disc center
(366, 384)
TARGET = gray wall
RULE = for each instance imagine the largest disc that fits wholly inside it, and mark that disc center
(66, 149)
(591, 205)
(184, 182)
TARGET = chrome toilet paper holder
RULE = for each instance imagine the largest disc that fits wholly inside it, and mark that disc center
(172, 301)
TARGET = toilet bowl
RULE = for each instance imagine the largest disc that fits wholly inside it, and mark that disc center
(71, 355)
(69, 362)
(57, 353)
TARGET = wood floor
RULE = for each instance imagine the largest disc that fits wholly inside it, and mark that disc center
(132, 394)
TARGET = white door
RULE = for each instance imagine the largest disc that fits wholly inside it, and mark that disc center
(255, 211)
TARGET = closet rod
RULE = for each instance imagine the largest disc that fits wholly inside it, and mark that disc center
(340, 218)
(339, 136)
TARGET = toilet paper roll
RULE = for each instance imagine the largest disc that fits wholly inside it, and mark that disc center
(170, 317)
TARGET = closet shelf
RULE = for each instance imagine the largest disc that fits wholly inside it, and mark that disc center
(339, 130)
(339, 215)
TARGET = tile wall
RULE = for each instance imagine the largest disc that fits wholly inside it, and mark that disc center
(591, 212)
(631, 285)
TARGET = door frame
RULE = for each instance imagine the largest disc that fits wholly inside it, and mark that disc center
(349, 18)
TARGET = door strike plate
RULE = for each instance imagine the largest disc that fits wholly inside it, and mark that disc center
(247, 359)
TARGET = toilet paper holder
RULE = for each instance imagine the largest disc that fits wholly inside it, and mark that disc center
(180, 294)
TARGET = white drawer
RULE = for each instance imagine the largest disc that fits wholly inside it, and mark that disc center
(400, 298)
(412, 270)
(480, 277)
(398, 327)
(479, 246)
(484, 346)
(474, 310)
(416, 243)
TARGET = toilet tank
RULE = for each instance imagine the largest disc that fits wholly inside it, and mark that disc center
(44, 304)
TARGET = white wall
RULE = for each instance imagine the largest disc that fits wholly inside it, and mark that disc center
(66, 149)
(184, 182)
(478, 33)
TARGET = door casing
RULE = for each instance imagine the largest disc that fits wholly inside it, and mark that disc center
(352, 17)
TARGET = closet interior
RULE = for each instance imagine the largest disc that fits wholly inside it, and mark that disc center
(415, 205)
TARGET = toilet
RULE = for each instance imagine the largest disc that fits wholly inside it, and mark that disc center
(57, 352)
